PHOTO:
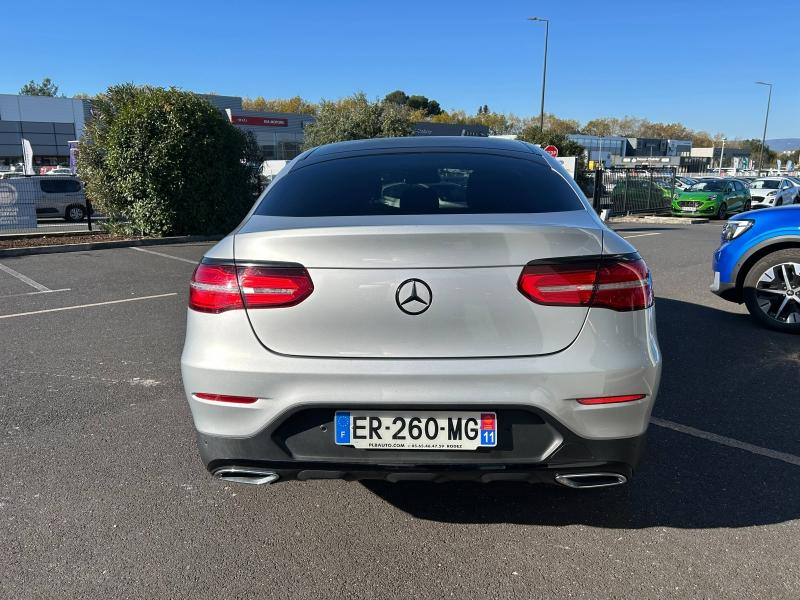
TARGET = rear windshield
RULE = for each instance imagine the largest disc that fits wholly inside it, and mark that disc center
(419, 183)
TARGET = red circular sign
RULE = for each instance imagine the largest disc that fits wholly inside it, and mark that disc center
(551, 150)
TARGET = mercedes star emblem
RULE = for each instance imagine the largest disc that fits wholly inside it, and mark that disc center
(413, 296)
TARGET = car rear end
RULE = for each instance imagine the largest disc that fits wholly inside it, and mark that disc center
(363, 323)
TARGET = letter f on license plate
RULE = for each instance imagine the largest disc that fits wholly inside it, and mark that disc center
(378, 430)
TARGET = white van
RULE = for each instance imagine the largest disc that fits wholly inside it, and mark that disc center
(51, 195)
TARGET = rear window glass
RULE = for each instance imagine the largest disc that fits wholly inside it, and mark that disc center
(419, 183)
(59, 186)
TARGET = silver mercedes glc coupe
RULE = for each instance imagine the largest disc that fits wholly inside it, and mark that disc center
(435, 308)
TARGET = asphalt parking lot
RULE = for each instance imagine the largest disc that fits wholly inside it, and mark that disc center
(103, 494)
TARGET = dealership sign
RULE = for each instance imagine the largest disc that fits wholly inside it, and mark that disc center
(259, 121)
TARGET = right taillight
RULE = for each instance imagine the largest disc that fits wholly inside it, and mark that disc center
(216, 288)
(617, 283)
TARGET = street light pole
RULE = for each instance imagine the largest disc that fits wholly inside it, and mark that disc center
(721, 156)
(766, 119)
(544, 69)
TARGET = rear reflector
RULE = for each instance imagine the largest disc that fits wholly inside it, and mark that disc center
(225, 398)
(216, 288)
(617, 284)
(611, 399)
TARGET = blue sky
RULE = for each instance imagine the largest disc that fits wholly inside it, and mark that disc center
(693, 62)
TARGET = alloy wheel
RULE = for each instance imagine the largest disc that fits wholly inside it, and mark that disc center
(778, 292)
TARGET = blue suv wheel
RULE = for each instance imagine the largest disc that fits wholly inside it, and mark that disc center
(772, 290)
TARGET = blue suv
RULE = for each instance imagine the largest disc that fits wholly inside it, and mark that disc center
(758, 263)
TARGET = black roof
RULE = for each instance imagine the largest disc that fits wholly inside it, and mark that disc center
(419, 143)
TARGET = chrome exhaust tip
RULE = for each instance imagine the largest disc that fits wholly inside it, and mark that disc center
(248, 475)
(591, 480)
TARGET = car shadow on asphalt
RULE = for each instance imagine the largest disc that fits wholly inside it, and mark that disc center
(722, 374)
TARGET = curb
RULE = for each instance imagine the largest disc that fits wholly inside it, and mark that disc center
(52, 232)
(181, 239)
(662, 220)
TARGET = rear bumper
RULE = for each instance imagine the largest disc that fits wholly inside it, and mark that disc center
(530, 448)
(615, 353)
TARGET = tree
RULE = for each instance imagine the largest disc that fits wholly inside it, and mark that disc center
(434, 108)
(167, 161)
(754, 146)
(557, 125)
(397, 97)
(295, 104)
(356, 118)
(45, 88)
(566, 147)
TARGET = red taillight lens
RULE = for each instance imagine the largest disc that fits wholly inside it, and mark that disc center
(611, 399)
(559, 285)
(217, 288)
(623, 285)
(225, 398)
(214, 289)
(266, 287)
(608, 283)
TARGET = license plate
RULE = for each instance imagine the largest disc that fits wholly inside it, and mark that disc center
(689, 209)
(376, 430)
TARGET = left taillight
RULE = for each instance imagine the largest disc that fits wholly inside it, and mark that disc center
(216, 288)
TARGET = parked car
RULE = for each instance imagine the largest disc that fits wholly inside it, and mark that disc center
(60, 171)
(683, 183)
(502, 334)
(52, 195)
(712, 197)
(641, 190)
(758, 263)
(768, 192)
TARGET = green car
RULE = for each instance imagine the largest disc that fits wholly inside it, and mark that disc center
(637, 193)
(711, 198)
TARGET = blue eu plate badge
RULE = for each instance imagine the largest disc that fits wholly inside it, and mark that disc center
(342, 427)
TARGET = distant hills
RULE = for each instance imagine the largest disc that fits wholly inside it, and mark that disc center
(781, 144)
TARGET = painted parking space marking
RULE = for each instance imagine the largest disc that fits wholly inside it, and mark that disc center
(26, 280)
(35, 293)
(49, 310)
(186, 260)
(726, 441)
(641, 235)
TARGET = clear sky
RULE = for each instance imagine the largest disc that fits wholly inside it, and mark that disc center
(693, 62)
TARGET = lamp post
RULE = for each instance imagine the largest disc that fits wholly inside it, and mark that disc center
(544, 69)
(766, 119)
(721, 157)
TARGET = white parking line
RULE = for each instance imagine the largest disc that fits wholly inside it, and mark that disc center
(35, 293)
(49, 310)
(23, 279)
(640, 235)
(726, 441)
(191, 262)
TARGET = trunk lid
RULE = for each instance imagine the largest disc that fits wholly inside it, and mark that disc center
(462, 269)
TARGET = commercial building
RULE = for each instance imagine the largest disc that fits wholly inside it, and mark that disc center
(47, 123)
(602, 148)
